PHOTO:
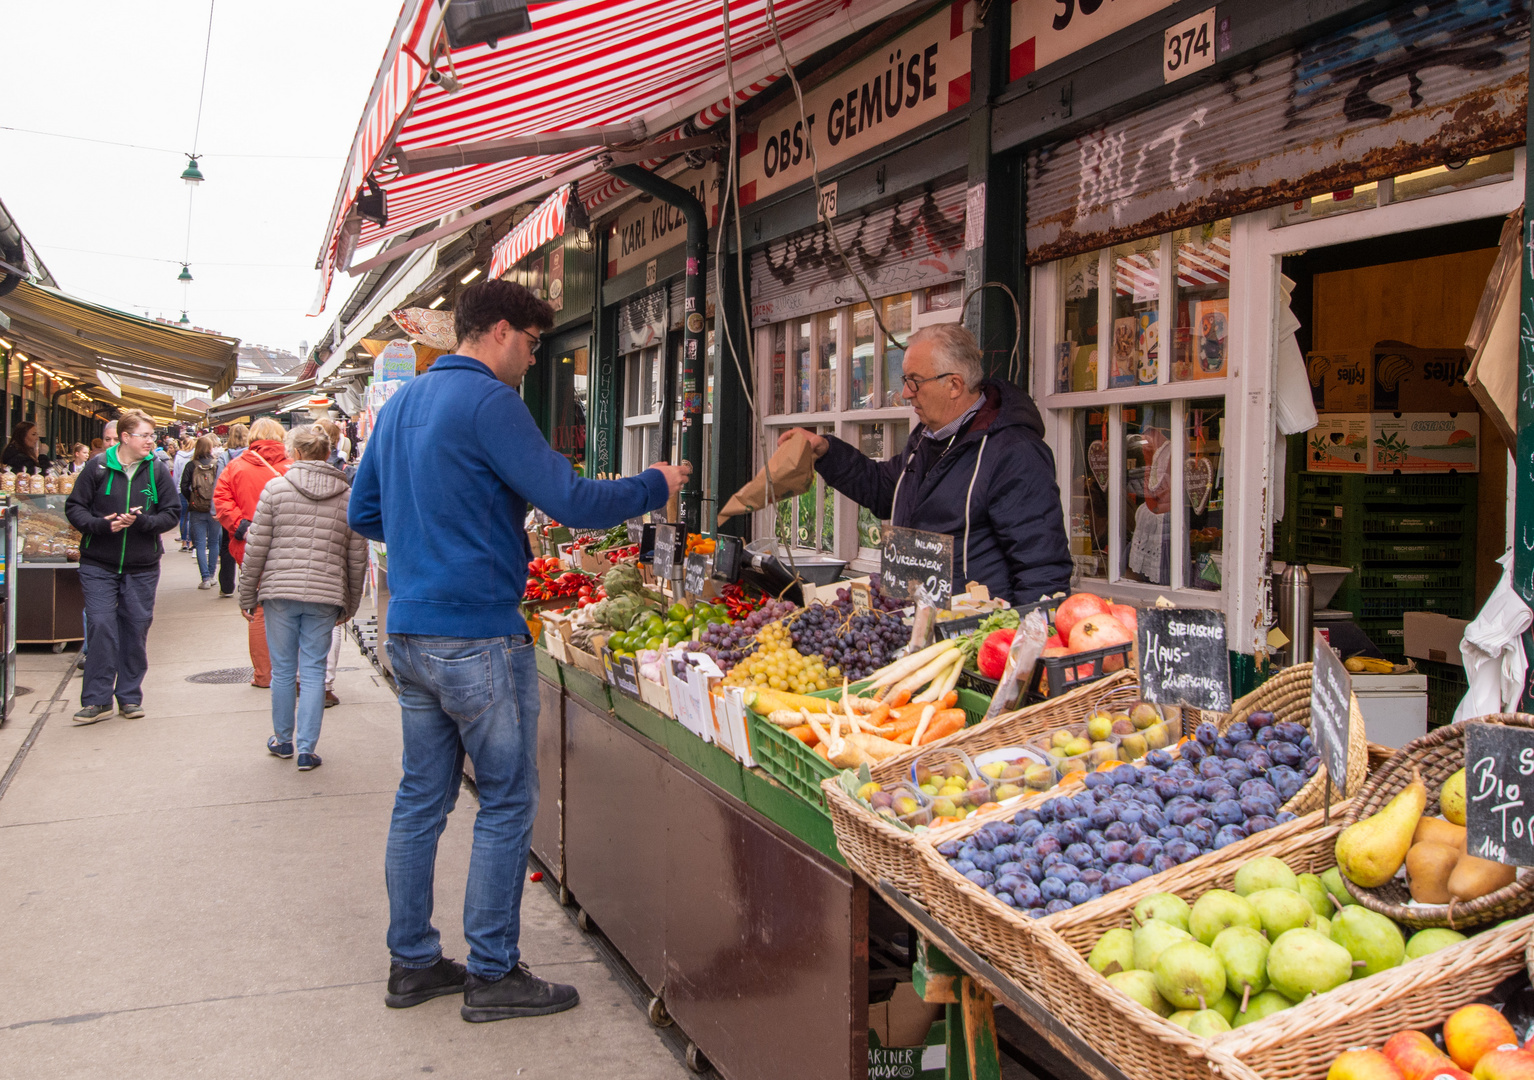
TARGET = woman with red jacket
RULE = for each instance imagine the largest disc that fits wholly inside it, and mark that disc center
(234, 504)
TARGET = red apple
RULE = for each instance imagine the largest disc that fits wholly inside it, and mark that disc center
(1074, 608)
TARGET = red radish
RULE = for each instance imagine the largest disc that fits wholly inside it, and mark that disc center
(1127, 615)
(992, 658)
(1074, 608)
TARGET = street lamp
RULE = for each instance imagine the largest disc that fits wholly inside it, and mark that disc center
(192, 174)
(185, 277)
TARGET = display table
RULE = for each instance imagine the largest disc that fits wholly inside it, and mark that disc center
(50, 605)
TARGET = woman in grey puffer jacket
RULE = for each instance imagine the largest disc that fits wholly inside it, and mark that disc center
(305, 567)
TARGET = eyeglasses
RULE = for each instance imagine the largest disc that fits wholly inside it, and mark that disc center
(914, 383)
(536, 339)
(135, 434)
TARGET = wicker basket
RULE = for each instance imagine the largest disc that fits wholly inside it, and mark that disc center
(1435, 757)
(1296, 1044)
(1014, 942)
(1287, 697)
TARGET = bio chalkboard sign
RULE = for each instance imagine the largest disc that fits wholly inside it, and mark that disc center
(1183, 658)
(695, 574)
(669, 551)
(1331, 692)
(1499, 793)
(914, 559)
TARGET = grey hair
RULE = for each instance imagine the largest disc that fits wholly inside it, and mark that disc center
(954, 350)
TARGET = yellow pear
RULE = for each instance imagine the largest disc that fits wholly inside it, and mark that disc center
(1451, 798)
(1370, 851)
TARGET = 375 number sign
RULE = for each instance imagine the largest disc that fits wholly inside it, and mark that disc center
(1188, 47)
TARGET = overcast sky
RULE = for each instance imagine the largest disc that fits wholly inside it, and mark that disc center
(287, 81)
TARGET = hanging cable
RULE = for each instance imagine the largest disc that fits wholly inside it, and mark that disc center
(202, 91)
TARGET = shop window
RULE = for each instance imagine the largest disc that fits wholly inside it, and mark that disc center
(570, 383)
(1435, 180)
(1140, 420)
(641, 415)
(808, 522)
(879, 441)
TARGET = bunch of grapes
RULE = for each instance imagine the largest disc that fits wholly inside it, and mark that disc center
(729, 643)
(776, 664)
(856, 644)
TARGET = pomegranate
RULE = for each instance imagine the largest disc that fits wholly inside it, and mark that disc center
(1099, 632)
(1129, 616)
(1073, 609)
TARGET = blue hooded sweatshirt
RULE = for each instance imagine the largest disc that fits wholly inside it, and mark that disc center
(445, 482)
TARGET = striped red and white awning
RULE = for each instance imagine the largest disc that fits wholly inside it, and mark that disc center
(535, 230)
(649, 64)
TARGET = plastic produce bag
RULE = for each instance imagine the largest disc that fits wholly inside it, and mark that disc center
(793, 473)
(1493, 650)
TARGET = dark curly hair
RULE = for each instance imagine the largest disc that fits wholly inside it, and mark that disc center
(483, 305)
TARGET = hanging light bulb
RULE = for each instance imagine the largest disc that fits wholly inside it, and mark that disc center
(192, 174)
(183, 321)
(185, 277)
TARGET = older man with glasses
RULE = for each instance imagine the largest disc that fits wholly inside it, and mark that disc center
(976, 467)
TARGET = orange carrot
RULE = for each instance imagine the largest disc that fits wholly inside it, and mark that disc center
(908, 718)
(952, 720)
(949, 700)
(899, 699)
(805, 734)
(880, 714)
(820, 748)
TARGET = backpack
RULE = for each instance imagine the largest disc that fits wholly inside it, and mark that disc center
(201, 488)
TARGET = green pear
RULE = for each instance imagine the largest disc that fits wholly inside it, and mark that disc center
(1314, 891)
(1265, 873)
(1182, 1016)
(1280, 910)
(1165, 906)
(1302, 962)
(1189, 975)
(1320, 924)
(1150, 938)
(1431, 940)
(1218, 909)
(1140, 986)
(1370, 937)
(1114, 951)
(1244, 952)
(1341, 898)
(1207, 1023)
(1261, 1005)
(1228, 1005)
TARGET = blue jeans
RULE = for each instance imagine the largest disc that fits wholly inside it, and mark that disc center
(118, 609)
(474, 696)
(186, 511)
(298, 637)
(205, 530)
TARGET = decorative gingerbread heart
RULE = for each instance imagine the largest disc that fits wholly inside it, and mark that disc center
(1198, 482)
(1097, 459)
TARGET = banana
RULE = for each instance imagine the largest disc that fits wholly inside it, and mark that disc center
(1367, 664)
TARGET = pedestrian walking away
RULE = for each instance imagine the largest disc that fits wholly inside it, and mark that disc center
(178, 465)
(122, 501)
(198, 478)
(238, 440)
(234, 504)
(449, 471)
(305, 566)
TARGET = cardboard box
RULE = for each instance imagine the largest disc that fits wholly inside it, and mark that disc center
(1339, 443)
(1409, 379)
(1341, 381)
(906, 1037)
(1430, 636)
(1425, 442)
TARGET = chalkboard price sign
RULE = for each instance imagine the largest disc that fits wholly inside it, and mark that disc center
(695, 574)
(668, 551)
(1499, 793)
(915, 559)
(624, 673)
(728, 554)
(1183, 658)
(635, 529)
(1331, 692)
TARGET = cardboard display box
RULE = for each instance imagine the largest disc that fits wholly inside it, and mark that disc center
(1342, 381)
(1437, 442)
(1430, 636)
(906, 1037)
(1409, 379)
(1339, 443)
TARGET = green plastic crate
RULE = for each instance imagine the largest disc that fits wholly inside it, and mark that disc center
(1446, 685)
(789, 761)
(1360, 490)
(1418, 578)
(1392, 604)
(1427, 520)
(1416, 552)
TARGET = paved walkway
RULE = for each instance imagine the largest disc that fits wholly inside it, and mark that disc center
(175, 902)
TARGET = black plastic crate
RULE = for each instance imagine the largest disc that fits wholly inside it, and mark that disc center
(1446, 685)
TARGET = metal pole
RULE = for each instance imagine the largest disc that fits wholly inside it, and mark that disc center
(1523, 464)
(694, 323)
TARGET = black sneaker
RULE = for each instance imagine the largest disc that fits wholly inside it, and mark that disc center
(281, 749)
(131, 710)
(93, 714)
(411, 986)
(521, 993)
(308, 761)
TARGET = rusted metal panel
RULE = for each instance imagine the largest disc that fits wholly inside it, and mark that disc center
(548, 835)
(1421, 85)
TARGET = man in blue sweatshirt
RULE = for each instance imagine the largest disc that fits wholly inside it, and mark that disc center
(445, 482)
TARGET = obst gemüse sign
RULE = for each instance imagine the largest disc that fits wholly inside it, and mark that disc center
(917, 77)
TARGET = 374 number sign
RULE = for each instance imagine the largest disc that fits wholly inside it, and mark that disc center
(1188, 47)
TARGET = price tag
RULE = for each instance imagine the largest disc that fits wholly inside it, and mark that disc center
(1188, 46)
(695, 574)
(635, 530)
(624, 672)
(1331, 691)
(1183, 658)
(1499, 783)
(914, 559)
(668, 551)
(862, 598)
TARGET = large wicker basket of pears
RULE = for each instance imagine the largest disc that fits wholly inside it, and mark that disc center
(1411, 816)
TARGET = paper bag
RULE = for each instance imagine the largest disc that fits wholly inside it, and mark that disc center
(793, 472)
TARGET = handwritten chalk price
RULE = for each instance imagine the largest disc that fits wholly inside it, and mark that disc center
(1499, 783)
